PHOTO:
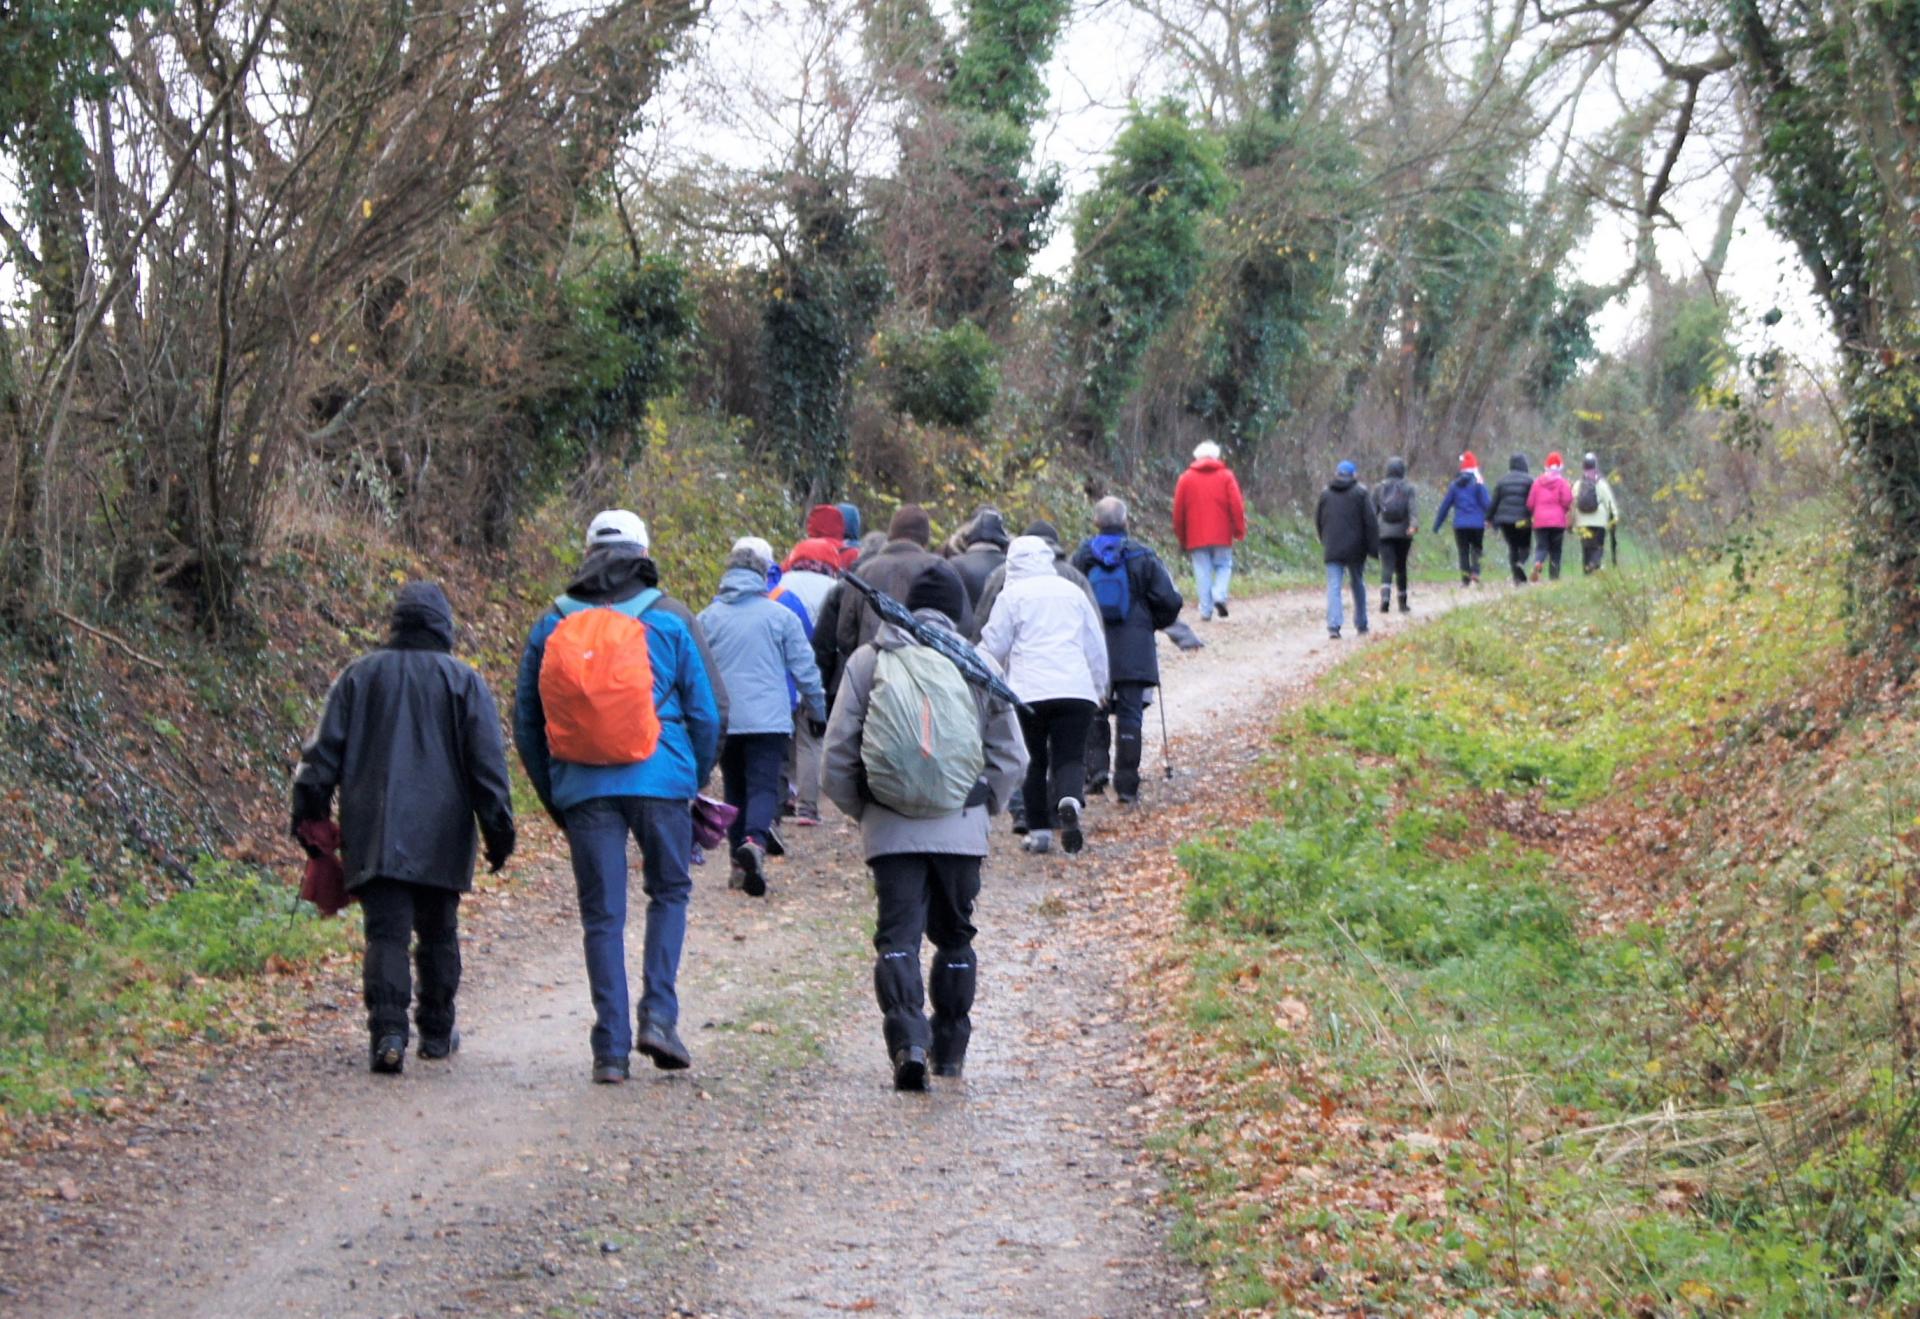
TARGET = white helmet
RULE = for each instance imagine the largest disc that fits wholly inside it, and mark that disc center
(617, 526)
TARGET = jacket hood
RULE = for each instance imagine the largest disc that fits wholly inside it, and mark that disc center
(1518, 463)
(1340, 484)
(826, 522)
(738, 584)
(613, 573)
(850, 520)
(422, 619)
(989, 529)
(818, 554)
(1397, 469)
(1465, 479)
(1029, 556)
(1206, 465)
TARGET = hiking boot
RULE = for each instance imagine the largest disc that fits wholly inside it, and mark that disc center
(951, 1070)
(1071, 839)
(1405, 608)
(1333, 634)
(776, 845)
(609, 1071)
(1038, 840)
(806, 817)
(1127, 799)
(440, 1046)
(751, 861)
(661, 1043)
(1220, 608)
(388, 1056)
(910, 1068)
(1386, 603)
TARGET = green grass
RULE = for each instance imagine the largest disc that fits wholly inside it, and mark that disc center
(93, 986)
(1409, 885)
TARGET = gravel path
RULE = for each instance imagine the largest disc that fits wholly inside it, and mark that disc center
(781, 1176)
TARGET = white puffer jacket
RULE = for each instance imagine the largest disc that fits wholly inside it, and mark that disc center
(1044, 631)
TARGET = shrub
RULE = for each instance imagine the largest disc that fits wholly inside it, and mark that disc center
(941, 377)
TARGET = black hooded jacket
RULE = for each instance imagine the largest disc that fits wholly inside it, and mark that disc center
(1349, 532)
(411, 740)
(1510, 495)
(985, 551)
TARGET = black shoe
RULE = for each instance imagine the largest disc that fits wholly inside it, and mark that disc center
(910, 1068)
(661, 1043)
(952, 1070)
(1386, 604)
(752, 862)
(1071, 839)
(1097, 786)
(1220, 608)
(776, 845)
(1333, 634)
(388, 1055)
(609, 1071)
(443, 1046)
(1126, 799)
(1405, 608)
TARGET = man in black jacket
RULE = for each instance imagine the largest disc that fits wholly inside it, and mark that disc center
(1349, 536)
(1136, 598)
(983, 549)
(1509, 513)
(411, 739)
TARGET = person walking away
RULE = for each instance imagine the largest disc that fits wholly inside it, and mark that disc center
(410, 739)
(923, 819)
(850, 522)
(1349, 536)
(812, 573)
(1549, 505)
(1393, 510)
(617, 718)
(1509, 514)
(1595, 514)
(1136, 598)
(761, 647)
(892, 569)
(1470, 502)
(1209, 519)
(1048, 638)
(984, 550)
(1064, 570)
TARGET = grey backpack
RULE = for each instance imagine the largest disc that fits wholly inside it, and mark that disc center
(921, 744)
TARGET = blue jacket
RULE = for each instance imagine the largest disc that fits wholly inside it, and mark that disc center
(682, 696)
(760, 647)
(1469, 500)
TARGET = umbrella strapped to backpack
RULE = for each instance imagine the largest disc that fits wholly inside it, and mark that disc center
(937, 638)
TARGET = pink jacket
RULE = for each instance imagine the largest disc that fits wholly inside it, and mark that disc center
(1550, 500)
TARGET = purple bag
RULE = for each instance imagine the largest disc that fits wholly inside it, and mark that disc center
(710, 821)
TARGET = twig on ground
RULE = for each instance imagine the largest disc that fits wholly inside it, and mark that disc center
(111, 640)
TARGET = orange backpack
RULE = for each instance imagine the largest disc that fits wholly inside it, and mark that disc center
(596, 684)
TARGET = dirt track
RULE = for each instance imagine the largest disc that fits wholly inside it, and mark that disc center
(781, 1176)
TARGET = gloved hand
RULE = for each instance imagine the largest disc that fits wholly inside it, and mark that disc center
(499, 847)
(305, 846)
(980, 795)
(817, 727)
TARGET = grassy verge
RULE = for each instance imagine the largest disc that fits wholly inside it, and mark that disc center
(1569, 974)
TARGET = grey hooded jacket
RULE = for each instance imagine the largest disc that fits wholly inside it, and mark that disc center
(757, 643)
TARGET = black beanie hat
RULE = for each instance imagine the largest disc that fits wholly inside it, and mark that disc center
(939, 587)
(1046, 531)
(911, 523)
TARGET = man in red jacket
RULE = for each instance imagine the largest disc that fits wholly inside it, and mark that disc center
(1209, 517)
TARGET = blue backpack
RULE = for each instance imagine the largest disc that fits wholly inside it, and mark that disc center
(1112, 589)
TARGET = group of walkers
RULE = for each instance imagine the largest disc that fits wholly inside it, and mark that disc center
(1533, 514)
(920, 692)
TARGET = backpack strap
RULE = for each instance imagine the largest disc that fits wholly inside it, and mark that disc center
(566, 606)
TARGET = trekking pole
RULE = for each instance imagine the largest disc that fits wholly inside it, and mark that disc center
(1166, 754)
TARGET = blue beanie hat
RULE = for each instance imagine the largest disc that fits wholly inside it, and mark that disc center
(1346, 469)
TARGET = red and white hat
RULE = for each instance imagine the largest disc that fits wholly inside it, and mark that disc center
(1469, 463)
(1554, 460)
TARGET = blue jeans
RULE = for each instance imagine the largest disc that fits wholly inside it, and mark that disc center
(597, 833)
(1337, 574)
(1212, 575)
(750, 765)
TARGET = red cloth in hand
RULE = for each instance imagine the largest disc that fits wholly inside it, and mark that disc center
(325, 883)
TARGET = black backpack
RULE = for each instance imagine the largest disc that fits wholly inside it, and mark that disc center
(1587, 497)
(1396, 502)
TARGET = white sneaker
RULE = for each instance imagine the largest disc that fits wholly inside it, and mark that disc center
(1038, 840)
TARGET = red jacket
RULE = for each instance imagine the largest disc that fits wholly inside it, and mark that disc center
(1207, 508)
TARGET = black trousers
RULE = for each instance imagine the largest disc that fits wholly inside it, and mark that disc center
(1593, 549)
(1127, 710)
(1549, 543)
(750, 769)
(1056, 733)
(1519, 541)
(394, 911)
(1469, 542)
(930, 895)
(1394, 553)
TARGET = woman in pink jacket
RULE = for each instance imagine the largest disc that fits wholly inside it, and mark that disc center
(1550, 503)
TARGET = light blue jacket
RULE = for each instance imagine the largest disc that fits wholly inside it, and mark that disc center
(682, 696)
(758, 644)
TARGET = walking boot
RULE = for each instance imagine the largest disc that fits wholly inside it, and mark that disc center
(910, 1068)
(609, 1071)
(1405, 608)
(443, 1046)
(752, 860)
(1071, 839)
(388, 1056)
(1220, 608)
(661, 1042)
(1386, 602)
